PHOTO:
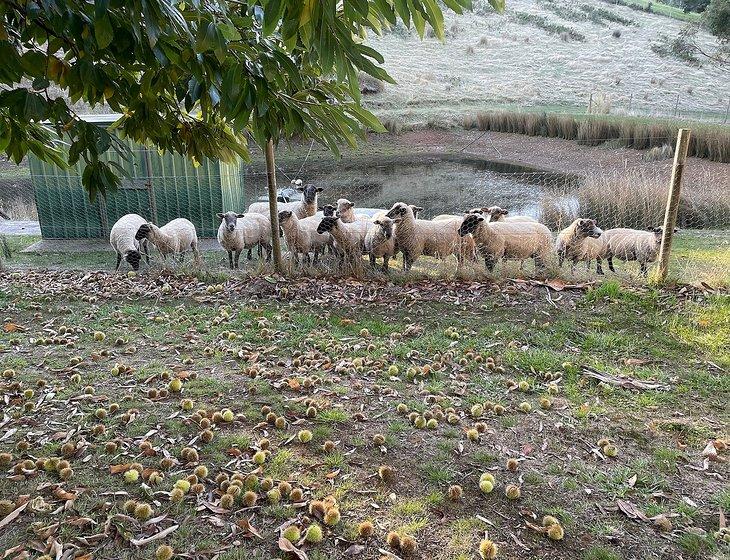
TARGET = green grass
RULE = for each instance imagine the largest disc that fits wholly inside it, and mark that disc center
(661, 9)
(598, 328)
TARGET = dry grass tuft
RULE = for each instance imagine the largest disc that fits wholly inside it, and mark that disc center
(707, 141)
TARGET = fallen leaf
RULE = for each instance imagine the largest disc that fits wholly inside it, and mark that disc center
(286, 546)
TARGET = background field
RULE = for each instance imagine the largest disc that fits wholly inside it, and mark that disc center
(508, 61)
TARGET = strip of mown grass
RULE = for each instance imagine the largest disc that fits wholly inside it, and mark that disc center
(339, 371)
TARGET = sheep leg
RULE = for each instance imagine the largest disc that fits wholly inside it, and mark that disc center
(260, 251)
(316, 255)
(572, 266)
(146, 246)
(238, 256)
(372, 260)
(407, 261)
(268, 253)
(561, 258)
(489, 262)
(599, 268)
(230, 259)
(249, 256)
(307, 258)
(644, 268)
(119, 262)
(386, 260)
(610, 263)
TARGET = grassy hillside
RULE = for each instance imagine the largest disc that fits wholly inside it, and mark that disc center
(550, 54)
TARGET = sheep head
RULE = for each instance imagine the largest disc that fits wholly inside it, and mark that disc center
(285, 215)
(585, 227)
(399, 210)
(230, 219)
(386, 224)
(327, 223)
(658, 231)
(133, 258)
(344, 204)
(310, 192)
(328, 210)
(470, 224)
(143, 232)
(494, 213)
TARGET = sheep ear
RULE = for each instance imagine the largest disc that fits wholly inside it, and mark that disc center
(220, 216)
(504, 212)
(378, 222)
(319, 189)
(240, 215)
(397, 220)
(300, 188)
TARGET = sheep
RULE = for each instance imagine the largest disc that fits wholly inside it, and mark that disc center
(302, 236)
(326, 210)
(243, 231)
(174, 238)
(348, 236)
(507, 240)
(632, 245)
(346, 212)
(123, 241)
(580, 241)
(416, 210)
(380, 240)
(497, 214)
(416, 237)
(302, 208)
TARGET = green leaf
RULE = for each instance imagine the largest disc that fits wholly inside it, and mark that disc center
(103, 31)
(497, 5)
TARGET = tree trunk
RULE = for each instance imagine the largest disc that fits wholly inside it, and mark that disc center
(273, 211)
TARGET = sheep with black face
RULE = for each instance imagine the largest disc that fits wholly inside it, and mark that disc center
(416, 237)
(507, 240)
(302, 208)
(176, 237)
(123, 241)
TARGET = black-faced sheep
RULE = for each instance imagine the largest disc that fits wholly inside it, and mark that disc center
(507, 240)
(123, 241)
(580, 241)
(244, 231)
(303, 208)
(174, 238)
(349, 237)
(416, 237)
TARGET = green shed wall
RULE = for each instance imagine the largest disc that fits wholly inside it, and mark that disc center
(161, 187)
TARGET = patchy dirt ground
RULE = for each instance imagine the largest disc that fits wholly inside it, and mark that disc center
(310, 387)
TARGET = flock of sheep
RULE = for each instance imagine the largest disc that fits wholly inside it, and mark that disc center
(311, 231)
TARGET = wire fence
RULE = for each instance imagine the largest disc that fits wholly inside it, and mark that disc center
(447, 184)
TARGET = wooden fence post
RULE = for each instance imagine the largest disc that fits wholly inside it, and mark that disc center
(273, 206)
(670, 215)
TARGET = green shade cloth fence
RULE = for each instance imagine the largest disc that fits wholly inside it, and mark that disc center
(160, 187)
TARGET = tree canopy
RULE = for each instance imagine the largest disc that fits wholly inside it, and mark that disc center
(190, 76)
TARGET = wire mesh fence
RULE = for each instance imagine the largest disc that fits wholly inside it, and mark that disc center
(444, 184)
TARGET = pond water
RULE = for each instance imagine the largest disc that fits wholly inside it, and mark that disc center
(440, 184)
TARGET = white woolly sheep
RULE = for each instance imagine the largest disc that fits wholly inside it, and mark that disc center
(580, 241)
(302, 208)
(346, 212)
(349, 237)
(122, 240)
(497, 214)
(380, 240)
(244, 231)
(174, 238)
(632, 245)
(302, 236)
(507, 240)
(416, 237)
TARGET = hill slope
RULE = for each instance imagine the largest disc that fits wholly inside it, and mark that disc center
(552, 54)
